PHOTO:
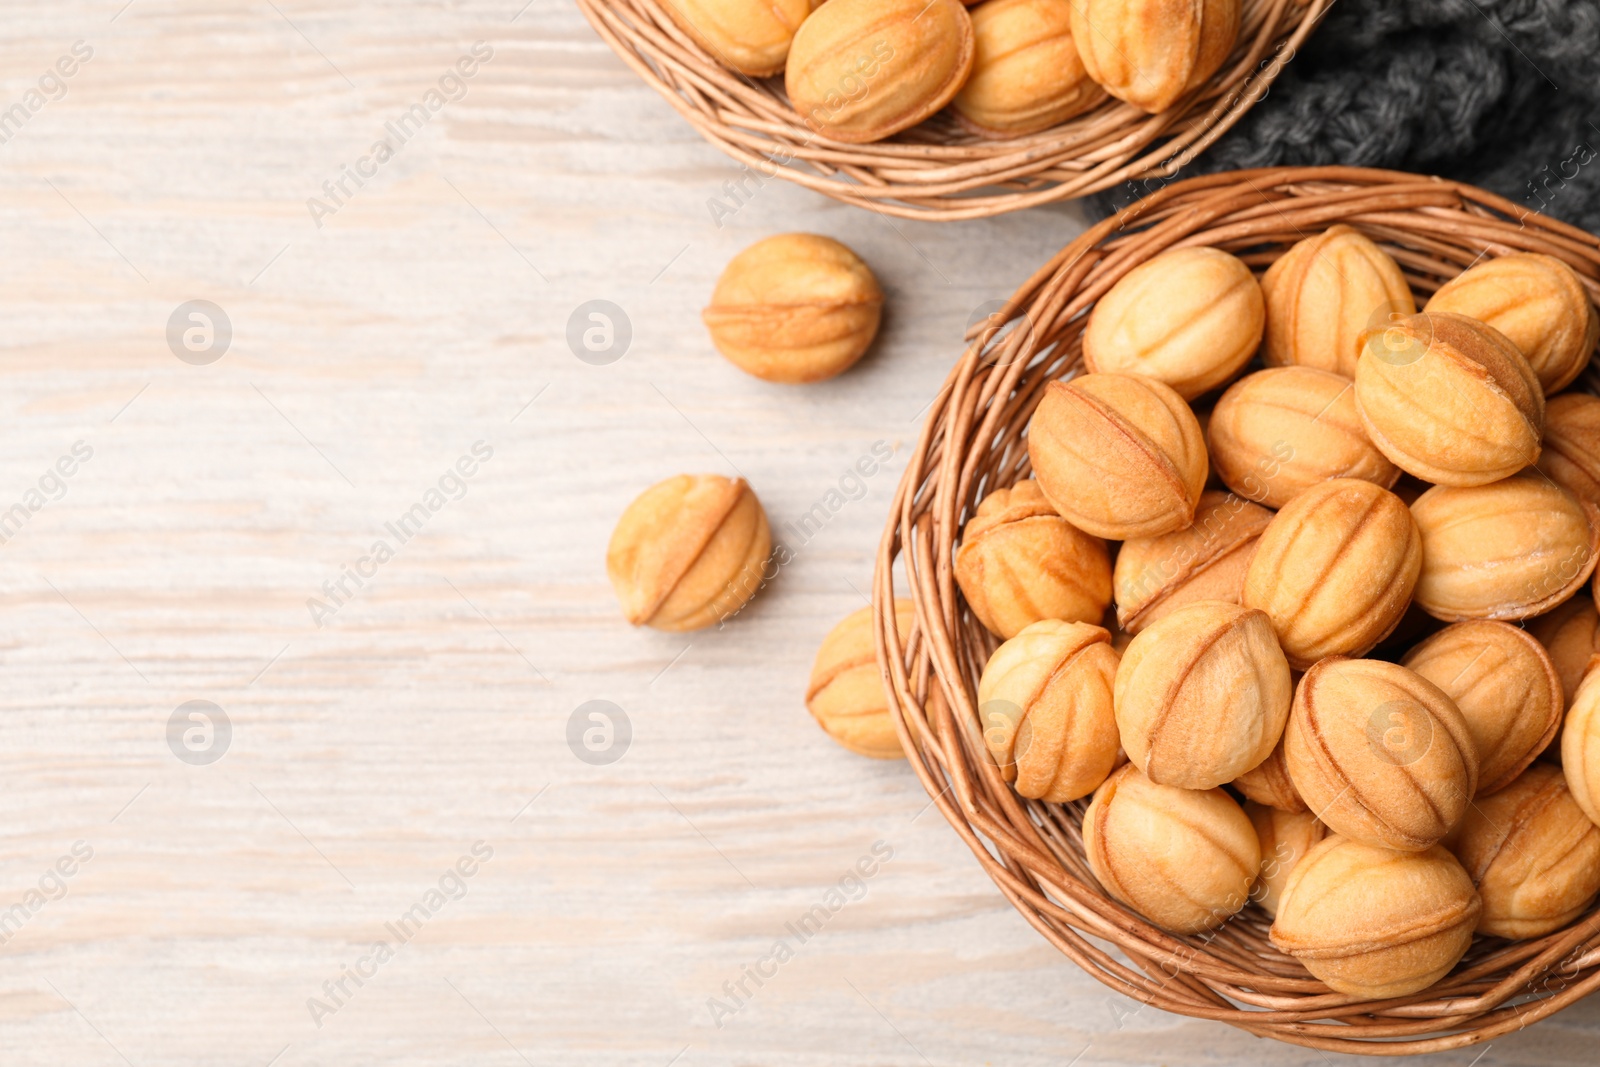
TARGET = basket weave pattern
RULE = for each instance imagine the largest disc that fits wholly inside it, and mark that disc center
(938, 170)
(973, 443)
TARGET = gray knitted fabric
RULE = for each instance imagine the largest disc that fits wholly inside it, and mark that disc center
(1500, 93)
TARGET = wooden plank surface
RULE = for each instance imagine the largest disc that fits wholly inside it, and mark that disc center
(160, 910)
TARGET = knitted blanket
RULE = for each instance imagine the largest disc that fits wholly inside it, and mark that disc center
(1504, 94)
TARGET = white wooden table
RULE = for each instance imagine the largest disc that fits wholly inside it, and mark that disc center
(379, 739)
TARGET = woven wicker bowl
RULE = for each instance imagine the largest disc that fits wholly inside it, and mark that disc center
(938, 170)
(973, 442)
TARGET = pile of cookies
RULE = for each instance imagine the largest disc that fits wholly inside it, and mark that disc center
(859, 71)
(1311, 635)
(1314, 637)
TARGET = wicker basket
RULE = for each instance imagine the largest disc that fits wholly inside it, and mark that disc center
(938, 170)
(973, 442)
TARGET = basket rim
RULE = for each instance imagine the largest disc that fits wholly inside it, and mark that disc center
(971, 442)
(940, 171)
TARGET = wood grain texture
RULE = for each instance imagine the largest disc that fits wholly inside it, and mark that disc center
(430, 712)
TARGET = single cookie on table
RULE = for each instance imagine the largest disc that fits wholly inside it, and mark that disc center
(795, 308)
(688, 552)
(846, 693)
